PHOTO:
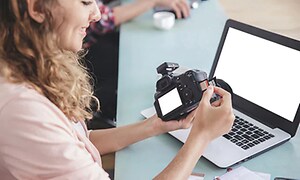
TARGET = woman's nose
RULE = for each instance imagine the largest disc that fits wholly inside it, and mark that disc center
(95, 14)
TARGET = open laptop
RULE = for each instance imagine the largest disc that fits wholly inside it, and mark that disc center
(262, 69)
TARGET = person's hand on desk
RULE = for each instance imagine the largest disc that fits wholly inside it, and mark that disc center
(209, 122)
(180, 7)
(131, 10)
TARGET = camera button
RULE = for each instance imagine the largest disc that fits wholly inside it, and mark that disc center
(187, 93)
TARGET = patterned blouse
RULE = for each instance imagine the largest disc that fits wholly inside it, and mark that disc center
(105, 25)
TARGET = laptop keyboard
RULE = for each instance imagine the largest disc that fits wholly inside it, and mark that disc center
(246, 135)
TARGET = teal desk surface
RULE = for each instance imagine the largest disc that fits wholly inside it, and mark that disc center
(191, 43)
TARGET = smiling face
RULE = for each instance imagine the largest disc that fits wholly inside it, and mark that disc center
(71, 19)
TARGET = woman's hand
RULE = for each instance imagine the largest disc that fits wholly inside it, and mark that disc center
(210, 121)
(180, 7)
(214, 119)
(165, 126)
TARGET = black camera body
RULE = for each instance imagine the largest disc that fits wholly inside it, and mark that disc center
(178, 94)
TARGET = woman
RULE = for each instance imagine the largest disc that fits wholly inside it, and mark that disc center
(45, 96)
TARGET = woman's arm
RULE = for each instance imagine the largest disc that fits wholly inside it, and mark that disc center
(129, 11)
(184, 162)
(210, 122)
(112, 140)
(126, 12)
(112, 17)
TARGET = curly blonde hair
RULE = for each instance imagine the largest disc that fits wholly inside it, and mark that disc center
(29, 53)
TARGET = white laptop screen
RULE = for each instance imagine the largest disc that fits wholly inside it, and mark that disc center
(261, 71)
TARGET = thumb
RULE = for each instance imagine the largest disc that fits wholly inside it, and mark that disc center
(208, 94)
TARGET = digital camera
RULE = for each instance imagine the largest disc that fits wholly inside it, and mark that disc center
(178, 94)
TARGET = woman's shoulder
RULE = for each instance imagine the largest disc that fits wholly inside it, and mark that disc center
(13, 92)
(20, 100)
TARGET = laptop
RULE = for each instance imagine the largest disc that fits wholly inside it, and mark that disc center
(262, 69)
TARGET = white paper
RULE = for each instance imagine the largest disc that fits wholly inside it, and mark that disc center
(148, 112)
(242, 173)
(192, 177)
(263, 175)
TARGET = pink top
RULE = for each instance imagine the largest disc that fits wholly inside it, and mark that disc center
(37, 140)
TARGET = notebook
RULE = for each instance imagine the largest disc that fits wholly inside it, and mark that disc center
(262, 69)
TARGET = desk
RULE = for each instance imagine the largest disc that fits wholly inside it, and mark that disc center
(279, 16)
(191, 43)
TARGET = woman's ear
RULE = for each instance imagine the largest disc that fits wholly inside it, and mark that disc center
(34, 11)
